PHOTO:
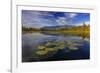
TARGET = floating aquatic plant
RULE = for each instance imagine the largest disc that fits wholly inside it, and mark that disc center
(41, 47)
(55, 46)
(72, 48)
(43, 52)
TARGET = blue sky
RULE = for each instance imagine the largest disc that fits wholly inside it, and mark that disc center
(39, 19)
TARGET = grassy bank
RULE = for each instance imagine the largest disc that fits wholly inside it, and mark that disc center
(83, 31)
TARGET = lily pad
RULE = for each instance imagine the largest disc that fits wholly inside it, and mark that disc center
(42, 52)
(41, 47)
(73, 48)
(50, 49)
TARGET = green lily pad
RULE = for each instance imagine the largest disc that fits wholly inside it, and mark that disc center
(72, 48)
(42, 52)
(50, 49)
(41, 47)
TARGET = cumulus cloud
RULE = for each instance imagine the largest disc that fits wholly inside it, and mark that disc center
(71, 15)
(66, 19)
(62, 21)
(39, 19)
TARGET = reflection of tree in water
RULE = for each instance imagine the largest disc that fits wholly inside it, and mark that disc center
(53, 43)
(82, 35)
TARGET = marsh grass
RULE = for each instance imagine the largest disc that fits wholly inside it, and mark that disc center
(48, 47)
(83, 31)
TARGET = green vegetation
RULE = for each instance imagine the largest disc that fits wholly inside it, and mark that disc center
(41, 52)
(53, 46)
(83, 30)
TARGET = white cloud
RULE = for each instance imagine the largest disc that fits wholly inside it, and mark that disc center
(62, 21)
(71, 15)
(67, 19)
(87, 23)
(37, 19)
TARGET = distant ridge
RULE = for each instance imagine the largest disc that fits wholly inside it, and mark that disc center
(57, 27)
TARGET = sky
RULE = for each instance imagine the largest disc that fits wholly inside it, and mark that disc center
(38, 19)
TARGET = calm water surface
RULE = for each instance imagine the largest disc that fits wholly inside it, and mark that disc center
(54, 47)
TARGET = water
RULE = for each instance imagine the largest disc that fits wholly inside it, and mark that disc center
(54, 47)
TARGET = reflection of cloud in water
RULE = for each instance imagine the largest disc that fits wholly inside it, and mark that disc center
(38, 47)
